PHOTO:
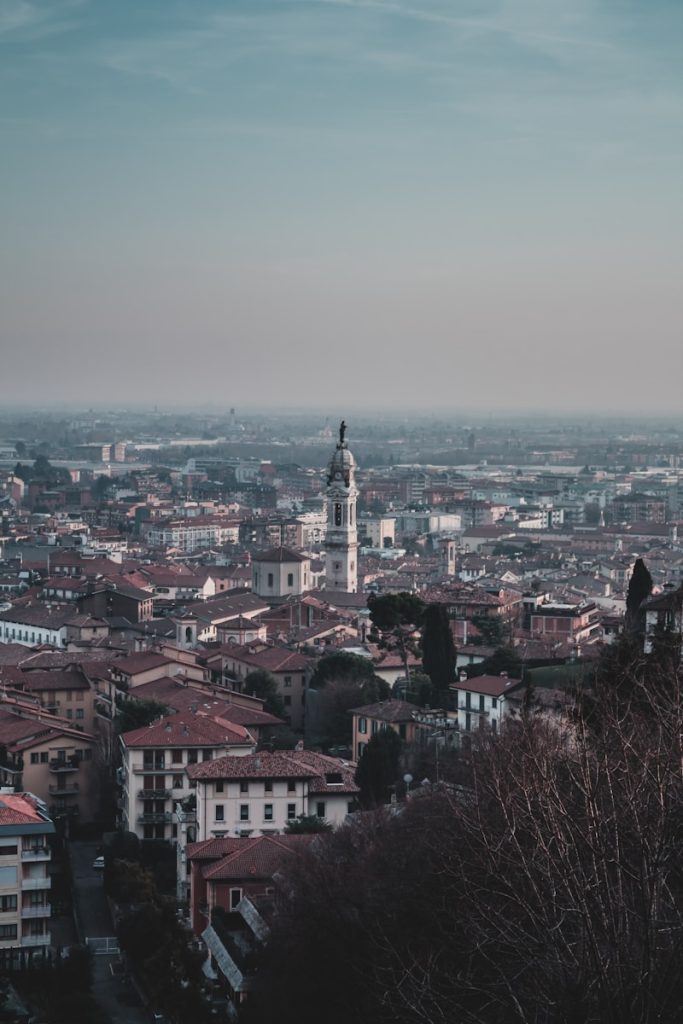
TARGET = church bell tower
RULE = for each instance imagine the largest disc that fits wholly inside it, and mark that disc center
(341, 545)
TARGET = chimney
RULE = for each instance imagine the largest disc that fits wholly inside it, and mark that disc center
(462, 677)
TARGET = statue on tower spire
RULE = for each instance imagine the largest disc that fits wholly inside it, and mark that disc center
(342, 432)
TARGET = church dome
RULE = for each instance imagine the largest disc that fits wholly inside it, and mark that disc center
(341, 467)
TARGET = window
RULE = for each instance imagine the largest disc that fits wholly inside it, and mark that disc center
(235, 897)
(268, 786)
(176, 757)
(177, 782)
(468, 700)
(290, 579)
(69, 713)
(8, 931)
(267, 812)
(494, 725)
(337, 514)
(320, 808)
(80, 713)
(468, 723)
(244, 812)
(361, 748)
(219, 787)
(482, 702)
(291, 812)
(288, 680)
(8, 850)
(45, 756)
(373, 727)
(244, 786)
(362, 726)
(34, 759)
(494, 702)
(270, 579)
(206, 755)
(220, 812)
(291, 786)
(7, 903)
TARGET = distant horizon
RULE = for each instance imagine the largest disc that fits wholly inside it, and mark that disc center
(347, 411)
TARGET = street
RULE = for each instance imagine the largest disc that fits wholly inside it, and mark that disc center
(115, 994)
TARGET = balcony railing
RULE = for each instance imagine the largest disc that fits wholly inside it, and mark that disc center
(72, 764)
(154, 794)
(36, 940)
(64, 789)
(36, 853)
(35, 883)
(44, 910)
(159, 818)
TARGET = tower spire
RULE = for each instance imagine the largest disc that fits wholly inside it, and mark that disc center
(341, 543)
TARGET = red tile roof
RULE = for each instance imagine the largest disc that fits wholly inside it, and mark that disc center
(489, 686)
(188, 731)
(254, 766)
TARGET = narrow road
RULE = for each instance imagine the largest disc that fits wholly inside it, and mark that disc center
(116, 995)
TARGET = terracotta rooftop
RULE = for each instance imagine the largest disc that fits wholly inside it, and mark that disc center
(187, 731)
(388, 711)
(254, 766)
(489, 686)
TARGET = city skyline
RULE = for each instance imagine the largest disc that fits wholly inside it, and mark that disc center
(366, 204)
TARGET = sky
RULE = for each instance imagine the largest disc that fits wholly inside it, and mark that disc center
(421, 204)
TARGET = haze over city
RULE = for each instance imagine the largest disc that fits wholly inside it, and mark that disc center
(440, 204)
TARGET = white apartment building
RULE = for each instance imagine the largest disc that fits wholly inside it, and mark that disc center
(259, 794)
(154, 763)
(484, 701)
(24, 874)
(35, 624)
(191, 534)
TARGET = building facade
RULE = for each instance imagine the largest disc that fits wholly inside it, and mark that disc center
(24, 876)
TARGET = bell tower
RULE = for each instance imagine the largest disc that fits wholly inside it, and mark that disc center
(341, 544)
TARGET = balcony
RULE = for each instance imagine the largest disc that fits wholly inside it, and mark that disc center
(71, 764)
(64, 789)
(44, 910)
(34, 853)
(36, 940)
(28, 884)
(154, 794)
(159, 818)
(150, 769)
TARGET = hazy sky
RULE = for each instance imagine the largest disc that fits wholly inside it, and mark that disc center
(447, 202)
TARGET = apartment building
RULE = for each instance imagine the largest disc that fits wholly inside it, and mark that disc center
(25, 828)
(290, 669)
(484, 701)
(154, 763)
(259, 794)
(43, 754)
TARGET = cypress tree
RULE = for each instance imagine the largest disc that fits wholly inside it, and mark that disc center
(639, 587)
(438, 649)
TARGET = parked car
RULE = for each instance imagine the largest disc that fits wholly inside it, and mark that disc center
(98, 863)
